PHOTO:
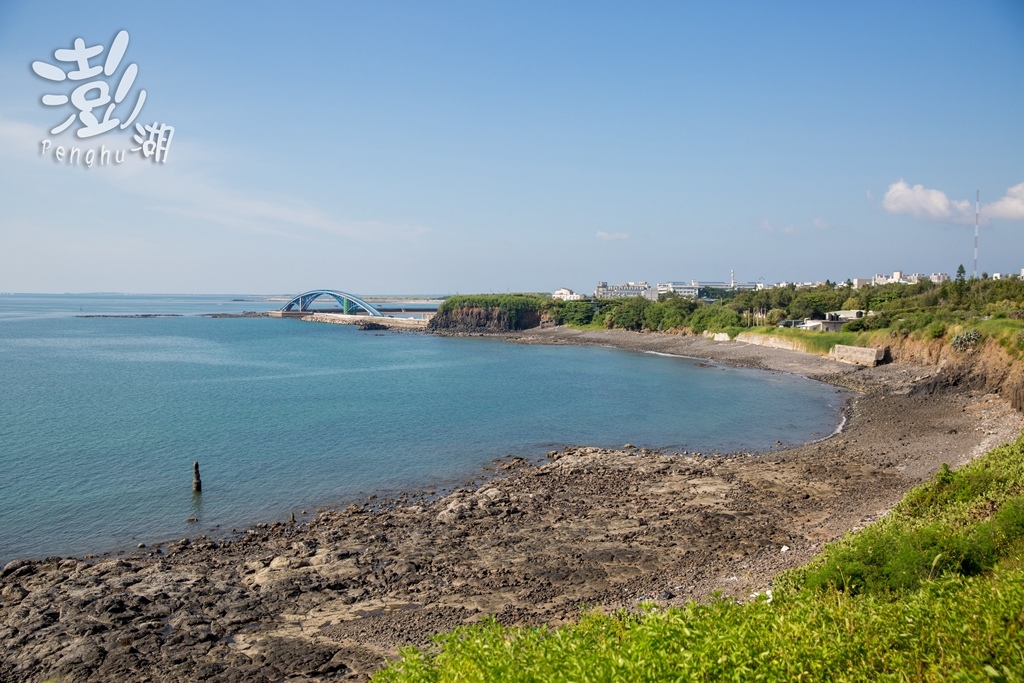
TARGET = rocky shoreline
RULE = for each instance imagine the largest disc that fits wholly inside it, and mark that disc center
(331, 598)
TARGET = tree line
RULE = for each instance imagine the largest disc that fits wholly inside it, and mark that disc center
(906, 307)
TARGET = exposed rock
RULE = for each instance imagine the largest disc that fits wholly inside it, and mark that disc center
(475, 320)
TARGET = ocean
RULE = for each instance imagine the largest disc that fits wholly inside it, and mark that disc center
(101, 418)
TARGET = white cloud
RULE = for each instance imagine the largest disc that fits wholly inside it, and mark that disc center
(181, 187)
(1010, 206)
(185, 191)
(821, 224)
(767, 226)
(921, 202)
(610, 236)
(18, 140)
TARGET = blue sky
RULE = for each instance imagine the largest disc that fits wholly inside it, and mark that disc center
(443, 147)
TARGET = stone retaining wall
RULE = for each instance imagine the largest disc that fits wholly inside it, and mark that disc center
(769, 341)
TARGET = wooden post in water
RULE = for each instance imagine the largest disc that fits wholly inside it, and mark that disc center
(197, 483)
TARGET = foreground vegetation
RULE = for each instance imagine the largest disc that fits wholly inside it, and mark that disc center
(933, 592)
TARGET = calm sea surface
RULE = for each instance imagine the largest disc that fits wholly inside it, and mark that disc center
(101, 418)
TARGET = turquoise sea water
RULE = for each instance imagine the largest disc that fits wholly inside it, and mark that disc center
(101, 418)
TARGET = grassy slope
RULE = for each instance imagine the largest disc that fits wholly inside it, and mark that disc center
(934, 592)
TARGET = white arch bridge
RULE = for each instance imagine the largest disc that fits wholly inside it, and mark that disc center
(350, 303)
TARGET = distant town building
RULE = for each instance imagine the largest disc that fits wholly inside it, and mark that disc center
(626, 291)
(898, 277)
(566, 295)
(681, 288)
(833, 321)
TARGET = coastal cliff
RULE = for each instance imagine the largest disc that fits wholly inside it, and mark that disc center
(475, 320)
(982, 365)
(461, 315)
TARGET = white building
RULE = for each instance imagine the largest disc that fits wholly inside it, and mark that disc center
(896, 279)
(566, 295)
(626, 291)
(680, 288)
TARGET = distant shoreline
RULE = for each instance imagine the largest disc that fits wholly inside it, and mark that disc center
(733, 353)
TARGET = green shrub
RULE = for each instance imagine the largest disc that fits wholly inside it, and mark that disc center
(895, 561)
(960, 522)
(576, 313)
(879, 321)
(936, 330)
(670, 313)
(629, 313)
(714, 318)
(966, 341)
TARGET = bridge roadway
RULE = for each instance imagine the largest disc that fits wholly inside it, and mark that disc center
(354, 311)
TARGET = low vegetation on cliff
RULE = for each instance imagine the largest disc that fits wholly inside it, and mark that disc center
(933, 592)
(489, 313)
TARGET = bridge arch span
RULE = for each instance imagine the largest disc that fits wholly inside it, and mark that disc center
(349, 303)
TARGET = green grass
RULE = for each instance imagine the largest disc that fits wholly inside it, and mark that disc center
(1007, 332)
(933, 592)
(956, 628)
(960, 522)
(816, 342)
(594, 324)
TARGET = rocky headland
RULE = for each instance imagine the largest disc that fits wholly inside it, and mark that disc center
(331, 597)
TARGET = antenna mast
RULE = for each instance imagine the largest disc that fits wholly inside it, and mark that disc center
(977, 199)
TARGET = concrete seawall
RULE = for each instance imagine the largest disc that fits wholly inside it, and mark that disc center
(857, 355)
(769, 341)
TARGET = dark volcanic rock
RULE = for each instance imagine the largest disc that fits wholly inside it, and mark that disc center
(475, 320)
